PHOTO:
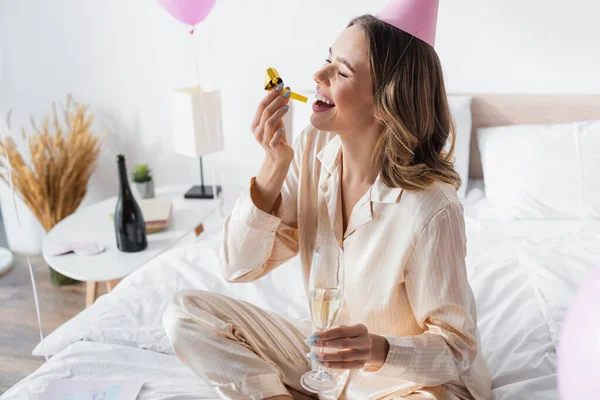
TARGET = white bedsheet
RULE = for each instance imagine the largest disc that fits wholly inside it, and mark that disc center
(513, 316)
(131, 313)
(524, 274)
(164, 376)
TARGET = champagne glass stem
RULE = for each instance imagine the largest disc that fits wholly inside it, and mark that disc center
(321, 370)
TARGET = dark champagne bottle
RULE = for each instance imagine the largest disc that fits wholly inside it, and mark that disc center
(130, 227)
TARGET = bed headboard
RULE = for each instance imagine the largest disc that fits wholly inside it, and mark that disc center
(508, 109)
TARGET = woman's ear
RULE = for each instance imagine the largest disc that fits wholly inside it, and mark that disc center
(378, 116)
(379, 119)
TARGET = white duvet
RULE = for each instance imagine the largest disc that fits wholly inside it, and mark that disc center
(163, 375)
(517, 269)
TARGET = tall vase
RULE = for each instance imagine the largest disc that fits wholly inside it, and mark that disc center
(25, 235)
(59, 279)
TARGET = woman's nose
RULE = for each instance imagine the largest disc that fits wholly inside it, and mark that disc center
(322, 76)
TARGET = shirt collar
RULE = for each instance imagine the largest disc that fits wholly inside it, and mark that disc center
(381, 193)
(330, 156)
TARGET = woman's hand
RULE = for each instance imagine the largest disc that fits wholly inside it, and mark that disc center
(360, 348)
(269, 131)
(268, 127)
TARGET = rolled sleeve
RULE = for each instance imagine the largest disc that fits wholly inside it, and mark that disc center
(398, 357)
(256, 242)
(246, 211)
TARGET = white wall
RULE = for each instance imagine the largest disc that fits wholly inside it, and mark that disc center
(123, 57)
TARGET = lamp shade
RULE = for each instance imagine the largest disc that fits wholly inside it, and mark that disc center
(196, 121)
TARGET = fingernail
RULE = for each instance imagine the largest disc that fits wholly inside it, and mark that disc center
(311, 342)
(285, 108)
(312, 355)
(280, 130)
(287, 94)
(319, 362)
(314, 336)
(279, 87)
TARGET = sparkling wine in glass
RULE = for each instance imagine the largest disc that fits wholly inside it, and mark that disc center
(326, 285)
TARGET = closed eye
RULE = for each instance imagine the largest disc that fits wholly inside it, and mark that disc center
(328, 61)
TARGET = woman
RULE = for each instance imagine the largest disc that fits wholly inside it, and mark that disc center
(370, 175)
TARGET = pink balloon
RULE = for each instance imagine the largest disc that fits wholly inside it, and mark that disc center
(188, 11)
(579, 347)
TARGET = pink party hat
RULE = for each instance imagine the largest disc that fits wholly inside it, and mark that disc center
(416, 17)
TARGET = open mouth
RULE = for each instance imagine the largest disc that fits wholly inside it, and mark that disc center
(323, 101)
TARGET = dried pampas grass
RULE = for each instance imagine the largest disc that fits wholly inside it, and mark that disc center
(55, 181)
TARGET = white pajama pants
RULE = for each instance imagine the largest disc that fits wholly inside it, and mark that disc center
(245, 352)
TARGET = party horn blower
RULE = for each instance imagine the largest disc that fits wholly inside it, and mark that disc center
(272, 79)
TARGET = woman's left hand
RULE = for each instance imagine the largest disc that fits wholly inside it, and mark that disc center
(356, 342)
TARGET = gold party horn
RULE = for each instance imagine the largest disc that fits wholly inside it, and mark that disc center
(272, 79)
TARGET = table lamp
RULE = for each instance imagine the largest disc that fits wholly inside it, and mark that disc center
(197, 128)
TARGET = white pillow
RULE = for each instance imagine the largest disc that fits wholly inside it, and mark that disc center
(460, 107)
(542, 171)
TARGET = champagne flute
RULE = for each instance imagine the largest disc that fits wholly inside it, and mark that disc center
(326, 285)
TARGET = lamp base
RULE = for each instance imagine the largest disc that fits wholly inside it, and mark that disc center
(201, 192)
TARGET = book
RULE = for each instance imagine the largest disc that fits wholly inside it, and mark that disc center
(156, 212)
(69, 389)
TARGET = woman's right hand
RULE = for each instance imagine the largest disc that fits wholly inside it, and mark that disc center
(269, 131)
(268, 127)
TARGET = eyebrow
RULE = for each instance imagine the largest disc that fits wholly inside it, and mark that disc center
(344, 61)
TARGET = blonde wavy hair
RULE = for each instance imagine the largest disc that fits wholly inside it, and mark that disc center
(413, 108)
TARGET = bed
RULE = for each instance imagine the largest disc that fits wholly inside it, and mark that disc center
(524, 273)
